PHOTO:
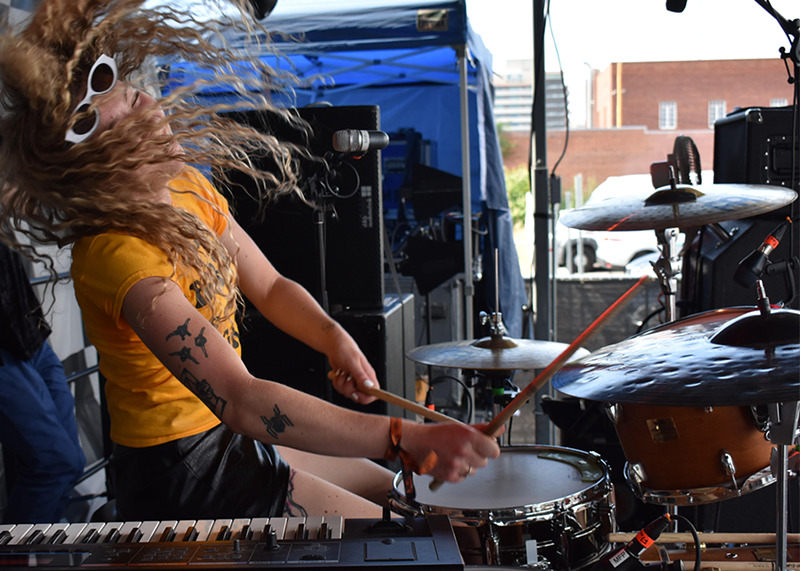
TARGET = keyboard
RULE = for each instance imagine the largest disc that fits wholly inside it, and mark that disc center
(268, 543)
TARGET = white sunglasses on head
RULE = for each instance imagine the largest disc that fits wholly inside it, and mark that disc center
(102, 79)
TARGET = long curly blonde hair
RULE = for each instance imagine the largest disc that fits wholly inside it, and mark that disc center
(57, 192)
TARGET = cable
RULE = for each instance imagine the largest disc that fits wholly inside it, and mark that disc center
(563, 90)
(693, 531)
(463, 385)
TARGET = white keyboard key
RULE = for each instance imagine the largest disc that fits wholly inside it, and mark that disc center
(278, 525)
(18, 532)
(129, 531)
(335, 527)
(313, 524)
(56, 534)
(203, 528)
(292, 524)
(91, 533)
(35, 535)
(164, 530)
(182, 528)
(219, 530)
(148, 528)
(257, 525)
(239, 526)
(110, 532)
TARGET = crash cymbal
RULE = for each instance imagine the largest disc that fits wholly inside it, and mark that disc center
(491, 354)
(725, 357)
(683, 206)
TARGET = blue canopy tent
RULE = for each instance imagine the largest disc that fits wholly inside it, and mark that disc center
(421, 63)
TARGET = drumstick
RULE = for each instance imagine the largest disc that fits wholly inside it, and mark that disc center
(405, 404)
(707, 537)
(493, 428)
(408, 405)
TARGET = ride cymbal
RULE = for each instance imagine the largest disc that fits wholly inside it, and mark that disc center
(491, 354)
(724, 357)
(683, 206)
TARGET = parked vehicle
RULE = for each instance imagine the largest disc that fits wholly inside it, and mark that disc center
(613, 250)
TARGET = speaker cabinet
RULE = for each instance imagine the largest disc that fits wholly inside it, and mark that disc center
(384, 336)
(750, 146)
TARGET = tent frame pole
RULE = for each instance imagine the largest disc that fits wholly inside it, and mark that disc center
(466, 193)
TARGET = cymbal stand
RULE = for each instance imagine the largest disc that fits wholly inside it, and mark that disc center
(667, 269)
(782, 432)
(783, 418)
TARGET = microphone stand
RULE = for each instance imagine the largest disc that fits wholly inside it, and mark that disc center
(321, 189)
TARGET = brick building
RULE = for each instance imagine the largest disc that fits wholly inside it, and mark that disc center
(639, 109)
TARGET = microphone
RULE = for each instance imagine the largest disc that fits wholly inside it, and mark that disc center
(627, 557)
(753, 266)
(676, 5)
(359, 143)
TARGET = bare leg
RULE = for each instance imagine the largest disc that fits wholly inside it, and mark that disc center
(309, 495)
(357, 475)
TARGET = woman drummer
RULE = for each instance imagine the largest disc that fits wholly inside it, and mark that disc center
(92, 160)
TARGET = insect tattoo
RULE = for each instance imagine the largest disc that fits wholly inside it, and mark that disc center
(201, 341)
(277, 424)
(204, 392)
(182, 331)
(185, 354)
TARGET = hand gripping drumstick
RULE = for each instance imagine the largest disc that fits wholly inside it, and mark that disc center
(493, 428)
(401, 402)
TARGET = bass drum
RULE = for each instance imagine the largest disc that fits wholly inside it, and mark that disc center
(552, 501)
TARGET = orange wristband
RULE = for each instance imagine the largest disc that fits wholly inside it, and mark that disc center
(394, 450)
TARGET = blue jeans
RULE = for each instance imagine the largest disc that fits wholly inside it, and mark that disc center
(37, 423)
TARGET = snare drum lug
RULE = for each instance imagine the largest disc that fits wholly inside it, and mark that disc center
(729, 465)
(708, 409)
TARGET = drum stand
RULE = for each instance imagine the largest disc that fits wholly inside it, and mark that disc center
(783, 419)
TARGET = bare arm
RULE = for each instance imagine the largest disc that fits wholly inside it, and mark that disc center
(292, 309)
(273, 413)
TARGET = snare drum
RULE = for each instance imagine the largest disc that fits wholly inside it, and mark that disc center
(557, 497)
(684, 455)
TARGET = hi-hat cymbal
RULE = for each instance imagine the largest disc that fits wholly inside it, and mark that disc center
(684, 206)
(491, 354)
(725, 357)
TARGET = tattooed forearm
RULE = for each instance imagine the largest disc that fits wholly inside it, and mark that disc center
(277, 424)
(204, 392)
(292, 508)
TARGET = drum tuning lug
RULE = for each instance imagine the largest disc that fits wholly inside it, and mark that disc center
(708, 409)
(614, 412)
(729, 465)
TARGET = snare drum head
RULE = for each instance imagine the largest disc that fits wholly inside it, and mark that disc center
(521, 476)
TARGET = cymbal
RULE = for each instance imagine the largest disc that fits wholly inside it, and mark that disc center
(724, 357)
(684, 206)
(491, 354)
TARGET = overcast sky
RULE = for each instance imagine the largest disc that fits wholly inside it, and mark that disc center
(598, 32)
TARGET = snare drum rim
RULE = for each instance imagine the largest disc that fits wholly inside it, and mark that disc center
(599, 490)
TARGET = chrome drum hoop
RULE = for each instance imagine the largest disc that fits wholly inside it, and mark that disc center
(697, 496)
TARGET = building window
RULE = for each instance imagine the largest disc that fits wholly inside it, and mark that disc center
(778, 102)
(667, 115)
(716, 110)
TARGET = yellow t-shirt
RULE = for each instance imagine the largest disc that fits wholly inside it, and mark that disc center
(147, 404)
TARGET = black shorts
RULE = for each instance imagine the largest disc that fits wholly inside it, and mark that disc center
(212, 475)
